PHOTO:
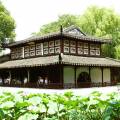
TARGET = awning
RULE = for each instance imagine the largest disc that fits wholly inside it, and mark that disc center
(90, 61)
(31, 62)
(65, 59)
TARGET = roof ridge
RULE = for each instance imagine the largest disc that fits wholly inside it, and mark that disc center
(67, 29)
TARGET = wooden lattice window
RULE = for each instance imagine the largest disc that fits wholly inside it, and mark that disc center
(80, 47)
(13, 52)
(86, 51)
(94, 49)
(26, 51)
(32, 50)
(20, 52)
(66, 46)
(51, 47)
(57, 46)
(57, 42)
(73, 47)
(39, 49)
(17, 53)
(45, 48)
(98, 50)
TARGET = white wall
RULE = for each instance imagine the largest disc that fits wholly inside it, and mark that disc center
(106, 75)
(96, 75)
(80, 70)
(69, 75)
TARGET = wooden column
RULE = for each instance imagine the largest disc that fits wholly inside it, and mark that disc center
(10, 77)
(61, 74)
(90, 72)
(102, 75)
(28, 75)
(2, 76)
(61, 70)
(75, 76)
(61, 40)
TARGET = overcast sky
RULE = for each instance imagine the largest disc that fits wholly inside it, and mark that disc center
(30, 15)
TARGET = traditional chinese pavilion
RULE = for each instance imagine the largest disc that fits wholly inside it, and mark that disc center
(65, 59)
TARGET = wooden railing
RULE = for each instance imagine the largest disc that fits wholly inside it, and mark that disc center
(59, 85)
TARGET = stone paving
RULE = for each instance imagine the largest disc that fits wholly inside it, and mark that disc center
(81, 91)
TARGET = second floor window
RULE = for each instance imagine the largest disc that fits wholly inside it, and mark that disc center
(66, 46)
(32, 50)
(26, 51)
(94, 49)
(82, 48)
(39, 49)
(73, 47)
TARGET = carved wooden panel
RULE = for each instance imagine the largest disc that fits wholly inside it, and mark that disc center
(20, 52)
(66, 49)
(92, 52)
(51, 50)
(45, 44)
(66, 42)
(80, 51)
(85, 45)
(79, 44)
(72, 50)
(57, 49)
(86, 51)
(13, 53)
(57, 42)
(45, 51)
(94, 49)
(39, 49)
(17, 53)
(73, 43)
(51, 43)
(26, 51)
(32, 50)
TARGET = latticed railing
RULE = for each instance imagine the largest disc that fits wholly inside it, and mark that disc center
(59, 85)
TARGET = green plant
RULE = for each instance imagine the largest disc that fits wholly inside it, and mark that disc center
(96, 106)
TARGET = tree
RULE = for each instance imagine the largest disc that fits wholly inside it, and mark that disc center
(7, 25)
(102, 22)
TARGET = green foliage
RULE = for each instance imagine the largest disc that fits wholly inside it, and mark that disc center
(96, 21)
(66, 106)
(102, 22)
(7, 24)
(65, 20)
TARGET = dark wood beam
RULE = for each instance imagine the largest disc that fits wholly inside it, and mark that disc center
(10, 76)
(28, 75)
(61, 74)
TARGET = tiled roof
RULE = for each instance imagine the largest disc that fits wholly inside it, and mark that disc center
(39, 61)
(70, 32)
(90, 61)
(66, 59)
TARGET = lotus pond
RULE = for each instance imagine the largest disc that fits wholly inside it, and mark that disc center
(67, 106)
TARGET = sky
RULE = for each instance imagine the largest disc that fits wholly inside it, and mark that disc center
(30, 15)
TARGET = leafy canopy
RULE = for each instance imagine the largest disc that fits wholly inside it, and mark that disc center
(64, 20)
(102, 22)
(7, 25)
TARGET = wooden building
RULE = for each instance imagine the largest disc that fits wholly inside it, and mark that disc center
(65, 59)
